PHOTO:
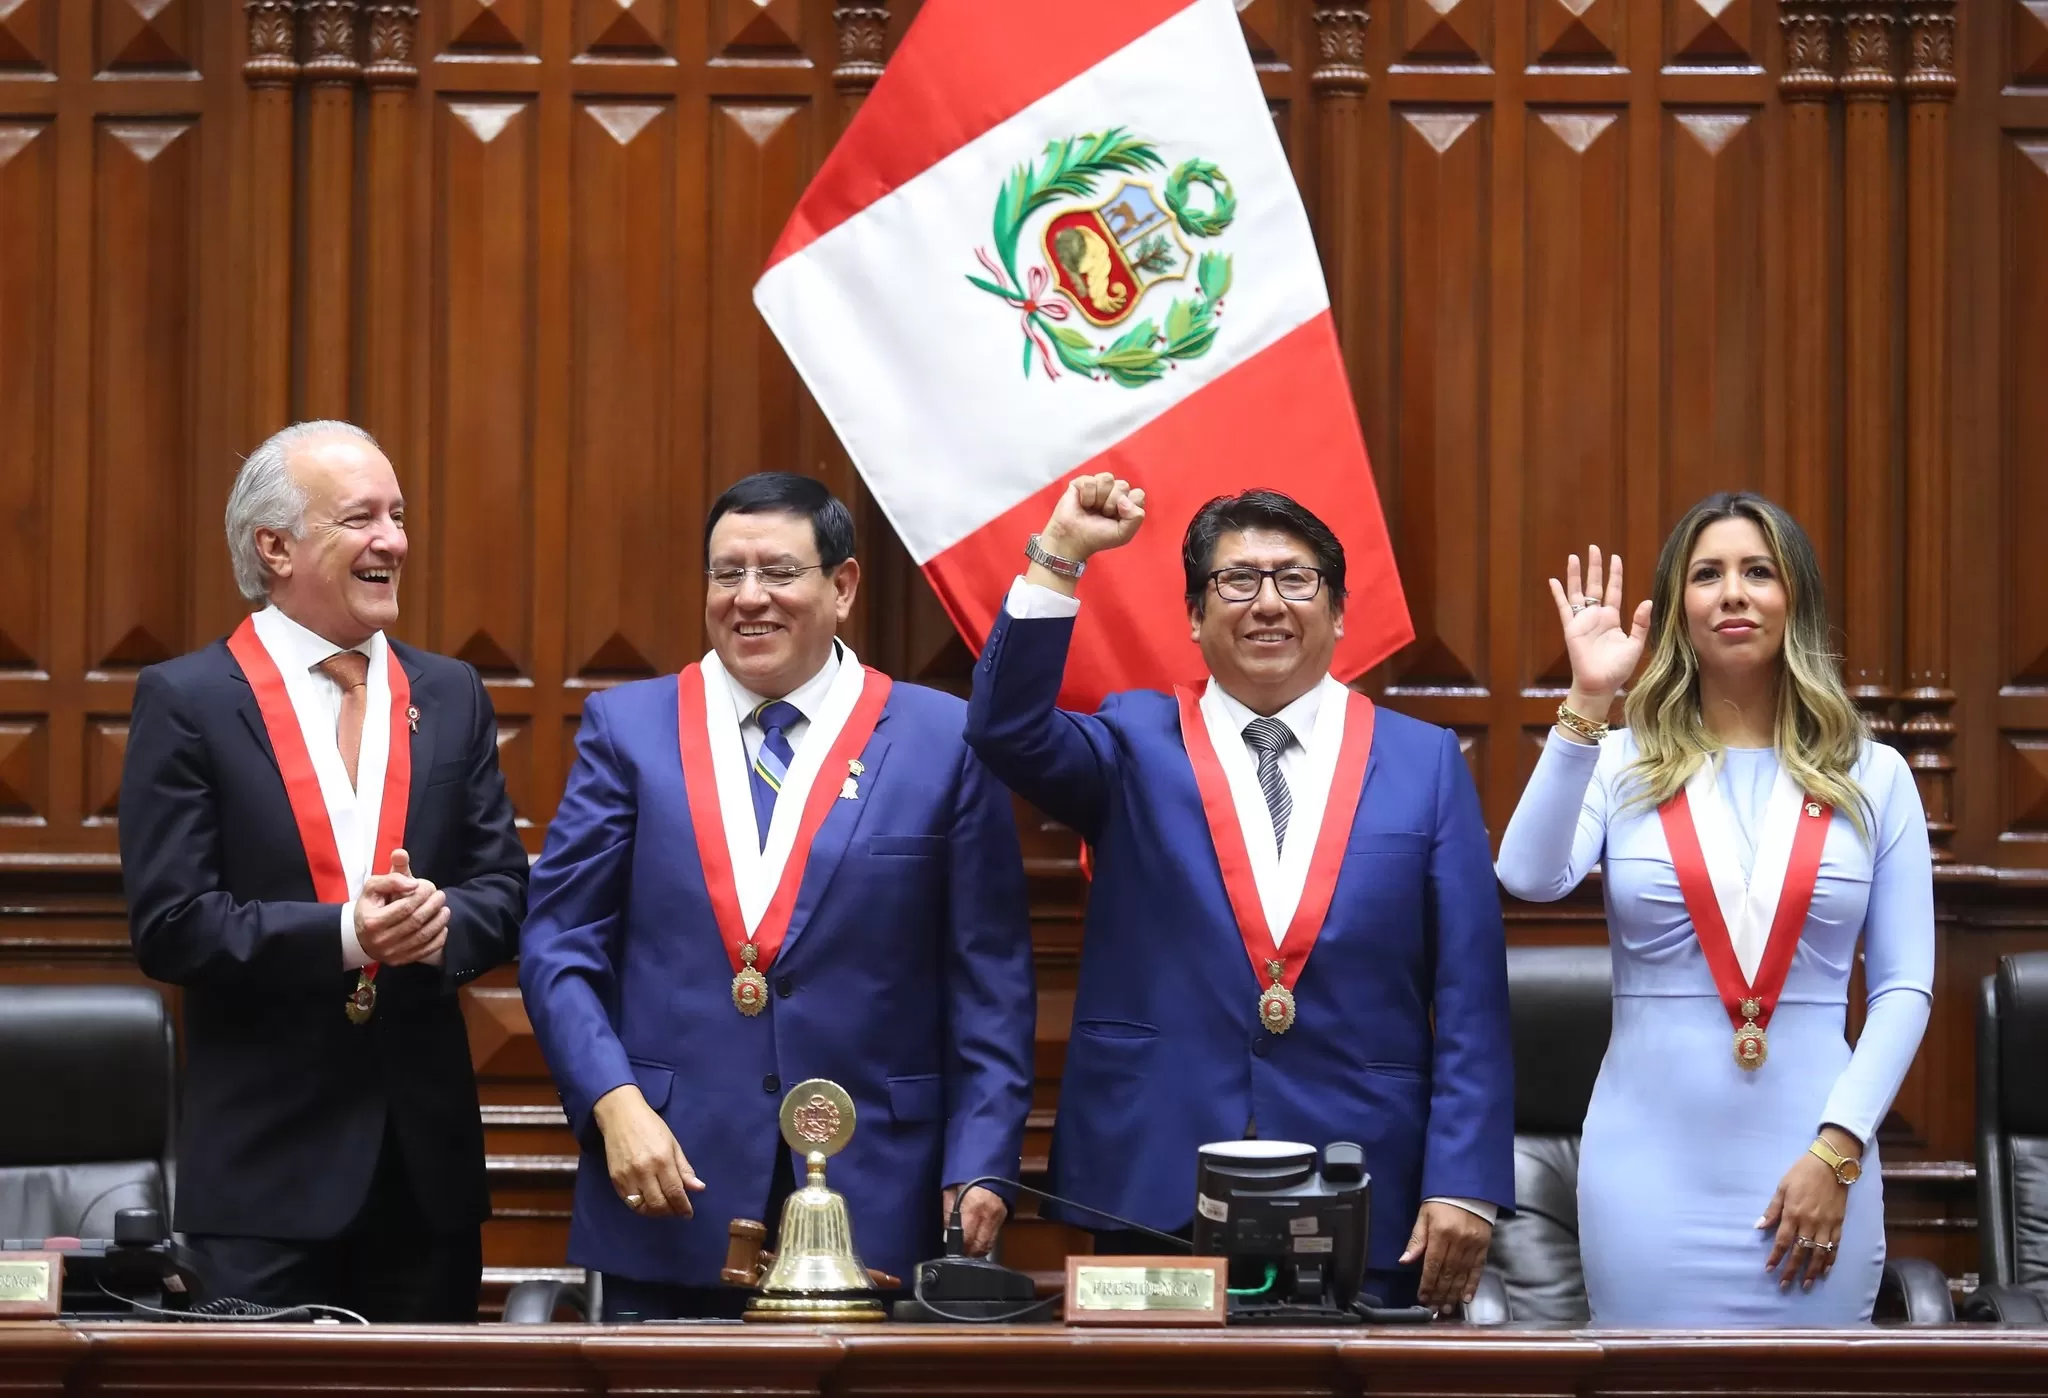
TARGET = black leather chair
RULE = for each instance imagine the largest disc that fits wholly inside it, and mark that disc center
(88, 1092)
(2012, 1144)
(1561, 1001)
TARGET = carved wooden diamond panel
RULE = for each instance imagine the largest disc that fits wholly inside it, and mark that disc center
(625, 28)
(28, 223)
(1720, 33)
(2026, 768)
(755, 27)
(504, 26)
(24, 770)
(1447, 31)
(106, 745)
(145, 35)
(1577, 31)
(27, 35)
(2029, 41)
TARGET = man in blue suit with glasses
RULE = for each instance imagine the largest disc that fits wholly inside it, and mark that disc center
(777, 865)
(1293, 931)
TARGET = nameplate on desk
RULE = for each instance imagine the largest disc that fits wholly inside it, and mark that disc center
(1147, 1290)
(31, 1284)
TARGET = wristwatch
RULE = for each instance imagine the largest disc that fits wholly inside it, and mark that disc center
(1065, 567)
(1847, 1168)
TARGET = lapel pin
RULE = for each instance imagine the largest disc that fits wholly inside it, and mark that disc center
(851, 790)
(412, 717)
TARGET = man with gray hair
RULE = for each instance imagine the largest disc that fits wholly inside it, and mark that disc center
(317, 848)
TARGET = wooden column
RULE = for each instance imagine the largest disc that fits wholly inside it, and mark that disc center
(270, 70)
(1929, 728)
(1807, 89)
(1339, 82)
(384, 402)
(879, 610)
(329, 69)
(1870, 316)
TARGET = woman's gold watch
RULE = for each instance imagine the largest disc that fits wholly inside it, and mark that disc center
(1848, 1169)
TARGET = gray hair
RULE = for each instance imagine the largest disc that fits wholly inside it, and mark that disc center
(266, 497)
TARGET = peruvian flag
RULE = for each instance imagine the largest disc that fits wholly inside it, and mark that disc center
(1062, 236)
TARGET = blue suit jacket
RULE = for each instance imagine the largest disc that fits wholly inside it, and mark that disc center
(1167, 1051)
(905, 977)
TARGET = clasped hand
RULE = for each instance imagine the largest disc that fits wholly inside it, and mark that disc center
(400, 917)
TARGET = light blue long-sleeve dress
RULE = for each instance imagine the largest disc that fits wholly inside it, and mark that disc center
(1683, 1148)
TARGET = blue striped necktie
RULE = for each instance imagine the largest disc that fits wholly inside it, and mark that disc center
(771, 763)
(1269, 737)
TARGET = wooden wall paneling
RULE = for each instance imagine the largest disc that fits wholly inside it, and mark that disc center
(270, 70)
(1713, 366)
(1574, 479)
(484, 380)
(1869, 320)
(1929, 726)
(1434, 493)
(629, 512)
(28, 258)
(145, 205)
(328, 70)
(1808, 233)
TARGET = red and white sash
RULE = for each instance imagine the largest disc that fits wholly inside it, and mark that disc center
(1233, 854)
(302, 783)
(1747, 933)
(753, 887)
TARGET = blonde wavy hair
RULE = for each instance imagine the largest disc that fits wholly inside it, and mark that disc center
(1819, 730)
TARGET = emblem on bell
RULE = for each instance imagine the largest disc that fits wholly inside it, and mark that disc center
(817, 1276)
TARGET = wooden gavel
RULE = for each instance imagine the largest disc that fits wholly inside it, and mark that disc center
(746, 1262)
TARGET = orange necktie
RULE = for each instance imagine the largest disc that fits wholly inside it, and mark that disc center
(351, 670)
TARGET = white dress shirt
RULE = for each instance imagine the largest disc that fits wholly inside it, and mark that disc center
(1028, 600)
(809, 698)
(352, 811)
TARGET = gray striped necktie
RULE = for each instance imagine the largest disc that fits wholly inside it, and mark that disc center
(1269, 737)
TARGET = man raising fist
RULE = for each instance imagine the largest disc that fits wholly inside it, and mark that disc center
(1275, 947)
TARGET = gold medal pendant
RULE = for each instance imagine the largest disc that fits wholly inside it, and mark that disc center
(1752, 1046)
(749, 987)
(362, 1002)
(1276, 1006)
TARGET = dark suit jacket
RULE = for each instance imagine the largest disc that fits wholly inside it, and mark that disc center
(285, 1102)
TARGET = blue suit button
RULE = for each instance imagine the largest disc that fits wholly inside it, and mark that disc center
(1262, 1045)
(785, 987)
(771, 1083)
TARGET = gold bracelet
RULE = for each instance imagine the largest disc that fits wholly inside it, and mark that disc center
(1578, 723)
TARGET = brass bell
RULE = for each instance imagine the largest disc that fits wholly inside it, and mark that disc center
(817, 1276)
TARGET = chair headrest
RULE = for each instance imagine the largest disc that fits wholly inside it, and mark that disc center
(2022, 992)
(90, 1071)
(1561, 1000)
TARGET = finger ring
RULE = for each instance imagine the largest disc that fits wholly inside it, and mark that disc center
(1580, 606)
(1803, 1243)
(1825, 1247)
(633, 1201)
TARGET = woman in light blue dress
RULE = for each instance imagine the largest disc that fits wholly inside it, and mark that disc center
(1715, 1192)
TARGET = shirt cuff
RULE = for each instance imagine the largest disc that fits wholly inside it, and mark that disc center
(1489, 1212)
(1030, 602)
(353, 957)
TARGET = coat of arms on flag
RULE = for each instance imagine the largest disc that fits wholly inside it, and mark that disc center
(1105, 251)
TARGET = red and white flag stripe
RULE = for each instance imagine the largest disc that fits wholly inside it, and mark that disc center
(950, 400)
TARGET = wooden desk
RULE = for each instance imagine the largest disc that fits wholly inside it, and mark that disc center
(512, 1362)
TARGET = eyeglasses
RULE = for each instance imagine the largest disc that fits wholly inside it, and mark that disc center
(774, 577)
(1294, 583)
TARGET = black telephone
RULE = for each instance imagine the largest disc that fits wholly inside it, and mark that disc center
(136, 1271)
